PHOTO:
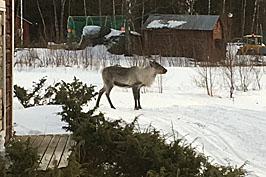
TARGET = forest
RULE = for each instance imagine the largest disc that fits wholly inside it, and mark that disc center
(49, 18)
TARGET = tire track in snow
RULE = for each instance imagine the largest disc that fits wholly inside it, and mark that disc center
(214, 133)
(216, 128)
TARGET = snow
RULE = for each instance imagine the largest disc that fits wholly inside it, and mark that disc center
(163, 24)
(91, 30)
(228, 131)
(113, 33)
(38, 120)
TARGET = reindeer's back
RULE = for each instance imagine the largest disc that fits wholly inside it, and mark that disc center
(120, 74)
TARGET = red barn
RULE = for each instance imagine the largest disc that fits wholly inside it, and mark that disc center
(193, 36)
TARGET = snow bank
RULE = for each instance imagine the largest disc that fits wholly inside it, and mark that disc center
(38, 120)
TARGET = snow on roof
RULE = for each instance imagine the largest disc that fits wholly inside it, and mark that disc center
(91, 30)
(193, 22)
(113, 33)
(165, 24)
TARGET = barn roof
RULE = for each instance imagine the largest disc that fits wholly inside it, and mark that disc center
(184, 22)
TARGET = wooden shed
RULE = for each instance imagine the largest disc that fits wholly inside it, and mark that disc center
(193, 36)
(6, 56)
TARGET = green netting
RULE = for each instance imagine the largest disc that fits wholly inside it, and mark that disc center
(77, 23)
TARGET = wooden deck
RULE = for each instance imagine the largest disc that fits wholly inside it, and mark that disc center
(53, 150)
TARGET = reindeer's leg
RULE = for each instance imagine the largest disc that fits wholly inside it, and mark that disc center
(108, 90)
(99, 96)
(135, 94)
(138, 98)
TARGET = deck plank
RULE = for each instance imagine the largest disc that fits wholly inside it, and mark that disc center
(38, 141)
(44, 145)
(25, 138)
(49, 152)
(59, 150)
(66, 153)
(53, 150)
(33, 139)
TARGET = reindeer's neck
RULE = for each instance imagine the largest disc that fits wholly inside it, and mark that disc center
(147, 76)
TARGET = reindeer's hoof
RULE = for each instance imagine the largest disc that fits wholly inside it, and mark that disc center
(136, 108)
(113, 107)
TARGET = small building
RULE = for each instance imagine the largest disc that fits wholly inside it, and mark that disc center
(193, 36)
(26, 31)
(6, 79)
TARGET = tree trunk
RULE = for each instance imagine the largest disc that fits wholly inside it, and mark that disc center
(122, 7)
(43, 21)
(209, 7)
(127, 32)
(244, 18)
(63, 2)
(114, 12)
(100, 7)
(223, 11)
(56, 23)
(113, 7)
(85, 7)
(257, 18)
(69, 7)
(142, 14)
(254, 16)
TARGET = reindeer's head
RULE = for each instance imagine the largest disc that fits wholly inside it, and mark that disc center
(159, 69)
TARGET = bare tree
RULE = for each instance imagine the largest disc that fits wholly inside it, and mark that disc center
(113, 7)
(229, 70)
(245, 73)
(43, 21)
(100, 7)
(243, 17)
(254, 16)
(258, 75)
(223, 11)
(142, 14)
(114, 12)
(56, 23)
(206, 77)
(69, 7)
(63, 2)
(85, 7)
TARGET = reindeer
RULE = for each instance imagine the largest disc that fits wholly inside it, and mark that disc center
(133, 77)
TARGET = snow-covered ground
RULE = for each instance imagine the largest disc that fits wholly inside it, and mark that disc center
(229, 131)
